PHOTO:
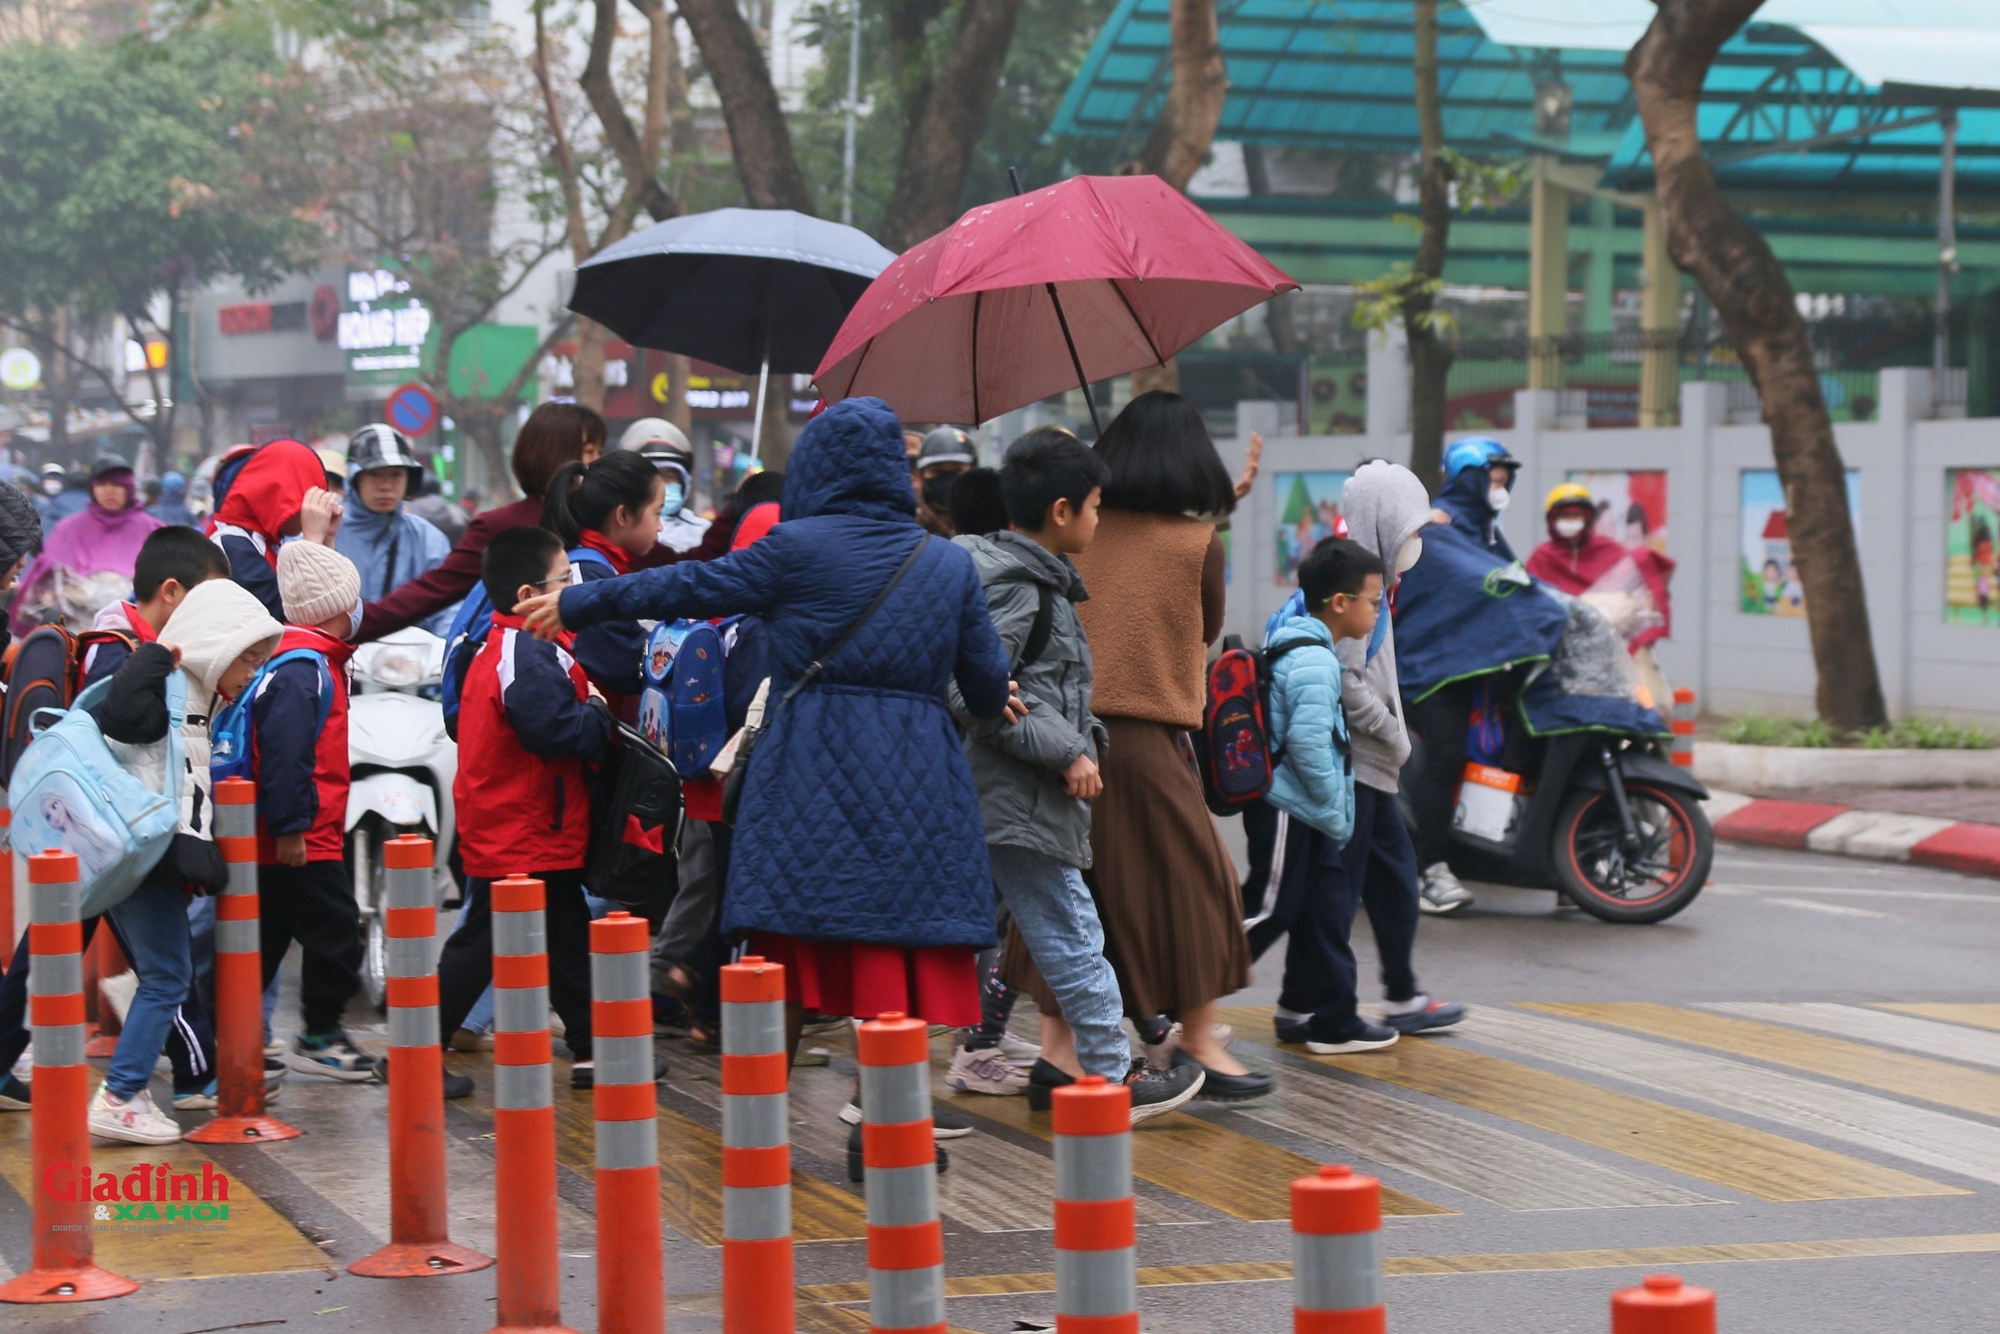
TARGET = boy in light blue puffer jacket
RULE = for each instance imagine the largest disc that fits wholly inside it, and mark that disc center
(1313, 792)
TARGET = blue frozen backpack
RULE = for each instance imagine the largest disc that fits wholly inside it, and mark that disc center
(697, 723)
(70, 792)
(233, 729)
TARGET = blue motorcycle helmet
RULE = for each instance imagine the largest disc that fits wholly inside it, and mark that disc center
(1478, 451)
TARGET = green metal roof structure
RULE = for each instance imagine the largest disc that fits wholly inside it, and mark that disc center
(1844, 96)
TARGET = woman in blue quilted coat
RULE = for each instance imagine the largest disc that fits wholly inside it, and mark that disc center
(858, 859)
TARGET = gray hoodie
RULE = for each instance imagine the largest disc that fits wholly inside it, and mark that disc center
(1018, 768)
(1384, 504)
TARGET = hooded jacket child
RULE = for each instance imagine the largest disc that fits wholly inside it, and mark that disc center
(215, 625)
(1387, 511)
(263, 500)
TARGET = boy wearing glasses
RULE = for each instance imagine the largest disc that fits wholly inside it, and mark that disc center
(1313, 899)
(528, 724)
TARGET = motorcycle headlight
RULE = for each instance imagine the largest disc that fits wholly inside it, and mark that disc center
(398, 669)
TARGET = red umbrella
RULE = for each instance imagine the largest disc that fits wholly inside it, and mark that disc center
(1030, 296)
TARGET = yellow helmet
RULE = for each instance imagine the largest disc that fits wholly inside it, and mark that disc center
(1569, 493)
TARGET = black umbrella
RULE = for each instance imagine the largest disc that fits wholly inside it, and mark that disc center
(750, 289)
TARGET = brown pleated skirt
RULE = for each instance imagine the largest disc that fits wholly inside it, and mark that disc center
(1164, 883)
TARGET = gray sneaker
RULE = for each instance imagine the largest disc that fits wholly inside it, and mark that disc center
(1441, 894)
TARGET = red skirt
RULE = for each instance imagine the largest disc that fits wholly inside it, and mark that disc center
(936, 983)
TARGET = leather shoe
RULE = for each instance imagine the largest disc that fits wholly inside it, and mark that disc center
(1218, 1087)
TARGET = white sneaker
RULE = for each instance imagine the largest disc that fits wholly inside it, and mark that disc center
(135, 1120)
(275, 1048)
(1018, 1051)
(985, 1071)
(1441, 894)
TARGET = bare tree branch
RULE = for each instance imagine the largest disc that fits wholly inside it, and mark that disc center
(642, 177)
(939, 138)
(759, 137)
(98, 373)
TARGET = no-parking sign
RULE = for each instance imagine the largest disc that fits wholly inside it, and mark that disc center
(412, 409)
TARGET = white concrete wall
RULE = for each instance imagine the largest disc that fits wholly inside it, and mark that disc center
(1737, 661)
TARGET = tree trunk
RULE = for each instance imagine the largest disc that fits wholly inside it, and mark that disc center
(1750, 291)
(774, 447)
(587, 365)
(1179, 143)
(59, 376)
(1430, 355)
(678, 412)
(759, 138)
(940, 135)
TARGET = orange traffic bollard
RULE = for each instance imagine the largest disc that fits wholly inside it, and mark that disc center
(239, 981)
(631, 1259)
(419, 1238)
(1683, 723)
(1097, 1276)
(101, 959)
(1662, 1305)
(64, 1268)
(756, 1152)
(1337, 1253)
(529, 1272)
(899, 1158)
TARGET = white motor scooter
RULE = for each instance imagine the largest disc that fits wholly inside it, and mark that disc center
(403, 765)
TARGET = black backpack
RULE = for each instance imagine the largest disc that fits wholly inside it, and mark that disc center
(43, 676)
(635, 813)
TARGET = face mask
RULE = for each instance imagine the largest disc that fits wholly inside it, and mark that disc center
(937, 491)
(52, 486)
(676, 495)
(1497, 498)
(1407, 555)
(1569, 529)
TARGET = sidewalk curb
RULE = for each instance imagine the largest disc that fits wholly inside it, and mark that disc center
(1815, 826)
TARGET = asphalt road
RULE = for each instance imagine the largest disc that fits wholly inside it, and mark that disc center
(1790, 1094)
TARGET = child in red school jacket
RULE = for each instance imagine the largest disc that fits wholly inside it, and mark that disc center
(529, 723)
(299, 726)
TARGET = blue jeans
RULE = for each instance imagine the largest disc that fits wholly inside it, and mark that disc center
(1058, 921)
(153, 924)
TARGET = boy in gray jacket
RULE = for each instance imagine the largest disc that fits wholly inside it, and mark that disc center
(1037, 777)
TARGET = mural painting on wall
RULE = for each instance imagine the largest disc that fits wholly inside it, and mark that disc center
(1770, 581)
(1308, 510)
(1972, 546)
(1631, 506)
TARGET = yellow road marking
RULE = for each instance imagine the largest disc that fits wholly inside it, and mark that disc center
(1976, 1014)
(255, 1239)
(690, 1169)
(1239, 1174)
(1943, 1082)
(1518, 1262)
(1738, 1157)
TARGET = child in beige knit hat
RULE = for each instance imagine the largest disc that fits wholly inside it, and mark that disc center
(300, 720)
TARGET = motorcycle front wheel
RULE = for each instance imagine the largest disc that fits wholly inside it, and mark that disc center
(369, 889)
(1649, 882)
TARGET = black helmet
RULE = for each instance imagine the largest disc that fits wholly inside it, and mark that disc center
(947, 444)
(379, 445)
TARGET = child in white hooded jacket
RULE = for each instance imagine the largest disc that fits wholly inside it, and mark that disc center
(217, 638)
